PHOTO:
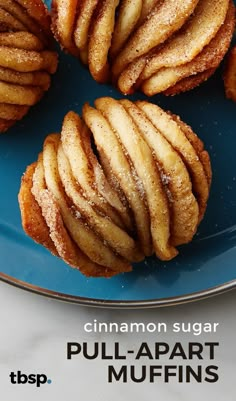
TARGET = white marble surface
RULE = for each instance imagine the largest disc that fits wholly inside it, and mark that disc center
(35, 331)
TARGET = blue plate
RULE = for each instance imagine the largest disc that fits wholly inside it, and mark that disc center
(204, 267)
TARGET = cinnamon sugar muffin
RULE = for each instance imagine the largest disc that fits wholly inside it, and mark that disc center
(26, 57)
(156, 46)
(124, 181)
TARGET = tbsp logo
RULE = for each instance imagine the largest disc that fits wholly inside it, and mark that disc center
(22, 378)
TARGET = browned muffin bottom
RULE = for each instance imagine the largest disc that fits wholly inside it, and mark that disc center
(230, 75)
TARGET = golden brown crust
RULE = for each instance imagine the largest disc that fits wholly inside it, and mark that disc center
(165, 19)
(63, 31)
(36, 227)
(140, 155)
(65, 247)
(174, 174)
(198, 147)
(119, 170)
(26, 58)
(148, 165)
(201, 177)
(12, 112)
(195, 35)
(189, 83)
(32, 219)
(129, 15)
(230, 75)
(79, 229)
(157, 46)
(38, 78)
(208, 58)
(100, 40)
(5, 124)
(21, 40)
(39, 14)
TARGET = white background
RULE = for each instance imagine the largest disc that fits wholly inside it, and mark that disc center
(35, 331)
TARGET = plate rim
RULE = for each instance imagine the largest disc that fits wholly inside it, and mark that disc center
(114, 304)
